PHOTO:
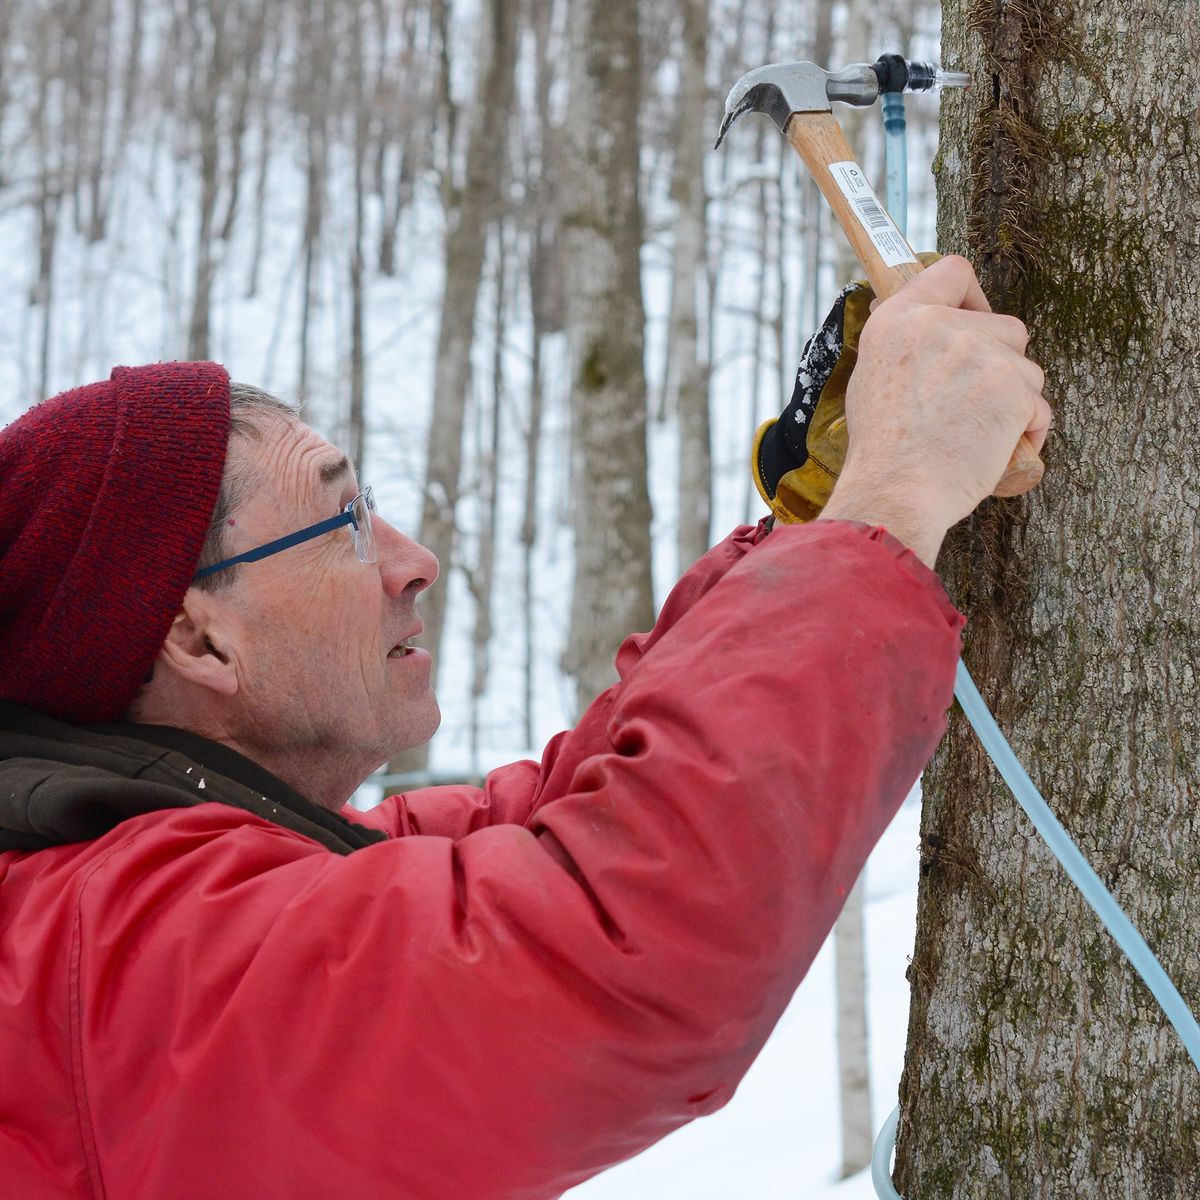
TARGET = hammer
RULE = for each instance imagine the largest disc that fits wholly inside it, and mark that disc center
(799, 97)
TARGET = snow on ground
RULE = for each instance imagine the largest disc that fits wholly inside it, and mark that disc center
(778, 1139)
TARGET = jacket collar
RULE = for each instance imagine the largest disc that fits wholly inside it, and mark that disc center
(62, 783)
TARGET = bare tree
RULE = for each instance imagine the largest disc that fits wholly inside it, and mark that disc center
(482, 575)
(359, 135)
(314, 105)
(223, 42)
(539, 162)
(687, 376)
(471, 207)
(1037, 1063)
(849, 931)
(48, 144)
(602, 231)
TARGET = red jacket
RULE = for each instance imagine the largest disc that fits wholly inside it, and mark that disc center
(521, 985)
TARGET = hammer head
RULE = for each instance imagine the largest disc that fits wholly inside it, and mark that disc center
(780, 89)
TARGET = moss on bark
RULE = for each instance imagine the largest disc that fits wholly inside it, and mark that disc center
(1038, 1065)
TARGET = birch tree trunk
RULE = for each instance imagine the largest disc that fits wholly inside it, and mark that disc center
(688, 373)
(853, 1045)
(315, 105)
(1038, 1065)
(849, 931)
(470, 210)
(360, 123)
(602, 231)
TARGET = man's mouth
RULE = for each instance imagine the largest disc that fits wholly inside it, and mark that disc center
(403, 649)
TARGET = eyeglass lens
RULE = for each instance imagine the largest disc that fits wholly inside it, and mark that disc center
(361, 508)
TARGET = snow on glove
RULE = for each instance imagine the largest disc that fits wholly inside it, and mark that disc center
(797, 457)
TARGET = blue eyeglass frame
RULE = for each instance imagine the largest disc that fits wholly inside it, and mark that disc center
(345, 517)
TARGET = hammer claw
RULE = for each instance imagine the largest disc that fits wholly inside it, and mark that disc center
(798, 98)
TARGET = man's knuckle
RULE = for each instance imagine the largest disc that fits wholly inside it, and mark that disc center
(1017, 328)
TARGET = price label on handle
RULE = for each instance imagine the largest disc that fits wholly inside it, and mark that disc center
(872, 216)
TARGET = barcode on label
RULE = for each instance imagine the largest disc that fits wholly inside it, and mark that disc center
(873, 216)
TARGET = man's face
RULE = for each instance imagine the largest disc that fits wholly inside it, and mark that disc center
(318, 630)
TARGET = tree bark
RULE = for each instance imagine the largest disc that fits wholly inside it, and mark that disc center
(470, 211)
(854, 1064)
(539, 208)
(490, 457)
(602, 231)
(849, 931)
(1038, 1065)
(688, 368)
(314, 103)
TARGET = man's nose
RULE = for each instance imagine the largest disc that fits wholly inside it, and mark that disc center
(405, 564)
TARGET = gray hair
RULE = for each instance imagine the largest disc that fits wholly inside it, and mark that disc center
(248, 407)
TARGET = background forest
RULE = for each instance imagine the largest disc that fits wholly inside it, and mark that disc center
(374, 207)
(357, 205)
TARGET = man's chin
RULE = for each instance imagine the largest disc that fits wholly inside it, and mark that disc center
(421, 721)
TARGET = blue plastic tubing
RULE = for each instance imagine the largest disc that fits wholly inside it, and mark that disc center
(1028, 797)
(894, 128)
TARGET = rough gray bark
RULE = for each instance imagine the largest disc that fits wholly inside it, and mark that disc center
(1038, 1065)
(814, 202)
(861, 126)
(539, 208)
(688, 368)
(849, 931)
(602, 231)
(471, 208)
(51, 168)
(481, 578)
(358, 290)
(854, 1064)
(205, 82)
(314, 103)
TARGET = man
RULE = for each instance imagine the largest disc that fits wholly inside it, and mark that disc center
(216, 980)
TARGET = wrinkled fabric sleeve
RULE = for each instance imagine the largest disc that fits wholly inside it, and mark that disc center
(504, 1013)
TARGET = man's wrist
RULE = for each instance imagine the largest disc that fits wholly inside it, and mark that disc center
(862, 500)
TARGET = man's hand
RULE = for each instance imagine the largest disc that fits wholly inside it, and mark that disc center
(937, 403)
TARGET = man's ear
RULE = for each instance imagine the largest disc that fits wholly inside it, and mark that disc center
(199, 648)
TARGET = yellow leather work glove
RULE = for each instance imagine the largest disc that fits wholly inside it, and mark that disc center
(797, 457)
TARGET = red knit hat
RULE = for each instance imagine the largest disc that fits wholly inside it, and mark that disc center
(106, 494)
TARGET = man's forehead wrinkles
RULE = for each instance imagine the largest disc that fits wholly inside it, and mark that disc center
(300, 465)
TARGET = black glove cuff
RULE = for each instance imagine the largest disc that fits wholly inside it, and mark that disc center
(784, 446)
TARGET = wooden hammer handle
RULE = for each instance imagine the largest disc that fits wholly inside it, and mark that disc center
(818, 139)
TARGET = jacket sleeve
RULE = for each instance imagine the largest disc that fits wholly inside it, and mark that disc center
(505, 1013)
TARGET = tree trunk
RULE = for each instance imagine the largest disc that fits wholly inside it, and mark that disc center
(688, 369)
(814, 203)
(1038, 1065)
(602, 230)
(205, 256)
(266, 129)
(47, 118)
(849, 931)
(854, 1064)
(540, 211)
(208, 78)
(490, 456)
(314, 103)
(469, 215)
(358, 291)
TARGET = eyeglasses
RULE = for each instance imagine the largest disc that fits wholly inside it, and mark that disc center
(356, 514)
